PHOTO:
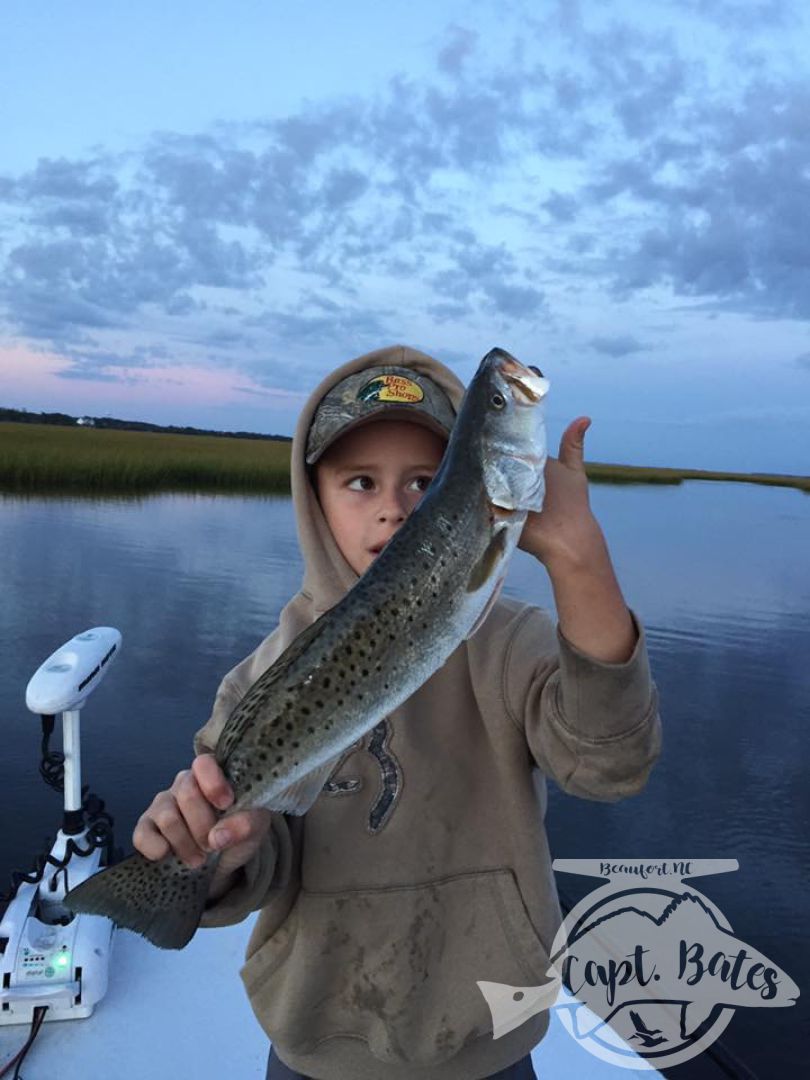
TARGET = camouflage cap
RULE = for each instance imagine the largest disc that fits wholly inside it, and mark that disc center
(393, 392)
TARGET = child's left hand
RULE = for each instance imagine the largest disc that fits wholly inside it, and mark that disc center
(565, 530)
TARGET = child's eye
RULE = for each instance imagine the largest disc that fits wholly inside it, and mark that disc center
(420, 483)
(360, 483)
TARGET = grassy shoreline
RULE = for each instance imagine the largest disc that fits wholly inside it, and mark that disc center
(47, 459)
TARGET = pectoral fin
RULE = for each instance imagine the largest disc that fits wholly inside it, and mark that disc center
(299, 797)
(486, 565)
(496, 592)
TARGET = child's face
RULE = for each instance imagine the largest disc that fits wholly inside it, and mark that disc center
(370, 480)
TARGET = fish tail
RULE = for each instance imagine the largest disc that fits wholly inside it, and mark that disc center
(162, 900)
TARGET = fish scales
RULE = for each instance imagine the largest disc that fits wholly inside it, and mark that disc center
(422, 596)
(363, 658)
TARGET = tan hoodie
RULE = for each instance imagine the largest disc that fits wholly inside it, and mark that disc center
(423, 866)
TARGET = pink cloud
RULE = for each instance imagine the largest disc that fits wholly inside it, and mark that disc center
(31, 380)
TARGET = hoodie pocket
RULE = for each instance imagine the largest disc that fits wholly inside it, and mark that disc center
(396, 967)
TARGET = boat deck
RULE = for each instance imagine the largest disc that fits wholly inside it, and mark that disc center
(178, 1014)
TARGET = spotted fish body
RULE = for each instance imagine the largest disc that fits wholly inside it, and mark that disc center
(422, 596)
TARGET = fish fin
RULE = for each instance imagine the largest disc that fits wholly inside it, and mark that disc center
(483, 569)
(299, 797)
(490, 604)
(163, 900)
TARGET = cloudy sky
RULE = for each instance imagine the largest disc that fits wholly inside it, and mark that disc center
(205, 207)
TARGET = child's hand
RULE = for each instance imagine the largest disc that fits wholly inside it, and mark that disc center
(565, 530)
(182, 820)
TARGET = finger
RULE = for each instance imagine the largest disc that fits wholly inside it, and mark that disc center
(235, 829)
(572, 443)
(212, 782)
(168, 819)
(147, 839)
(199, 815)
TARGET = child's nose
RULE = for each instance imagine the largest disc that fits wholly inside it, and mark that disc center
(394, 508)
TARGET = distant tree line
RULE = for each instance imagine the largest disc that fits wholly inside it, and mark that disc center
(23, 416)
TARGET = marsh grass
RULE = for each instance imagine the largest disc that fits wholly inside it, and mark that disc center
(603, 473)
(53, 459)
(49, 459)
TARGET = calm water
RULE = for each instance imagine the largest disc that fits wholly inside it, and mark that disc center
(718, 573)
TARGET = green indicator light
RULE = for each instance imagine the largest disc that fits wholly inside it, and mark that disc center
(63, 960)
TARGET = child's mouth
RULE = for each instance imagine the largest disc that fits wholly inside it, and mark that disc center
(379, 547)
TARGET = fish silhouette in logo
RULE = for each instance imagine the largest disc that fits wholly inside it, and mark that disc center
(681, 966)
(511, 1006)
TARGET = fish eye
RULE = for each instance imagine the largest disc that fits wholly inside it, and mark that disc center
(498, 400)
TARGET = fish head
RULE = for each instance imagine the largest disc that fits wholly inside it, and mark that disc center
(506, 408)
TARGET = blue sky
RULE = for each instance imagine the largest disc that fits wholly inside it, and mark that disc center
(203, 208)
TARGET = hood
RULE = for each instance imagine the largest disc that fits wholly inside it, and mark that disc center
(327, 575)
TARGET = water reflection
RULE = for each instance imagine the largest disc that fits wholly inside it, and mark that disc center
(718, 573)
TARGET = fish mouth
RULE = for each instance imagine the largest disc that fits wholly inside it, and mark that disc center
(528, 386)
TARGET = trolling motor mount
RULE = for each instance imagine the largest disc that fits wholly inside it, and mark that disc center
(48, 956)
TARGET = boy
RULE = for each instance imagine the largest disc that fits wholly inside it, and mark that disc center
(423, 866)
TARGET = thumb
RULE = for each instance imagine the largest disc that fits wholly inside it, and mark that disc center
(572, 443)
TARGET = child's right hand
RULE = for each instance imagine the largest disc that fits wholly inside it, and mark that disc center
(183, 820)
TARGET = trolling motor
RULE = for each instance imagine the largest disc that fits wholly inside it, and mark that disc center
(54, 964)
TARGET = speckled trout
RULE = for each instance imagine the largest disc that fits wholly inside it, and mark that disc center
(425, 593)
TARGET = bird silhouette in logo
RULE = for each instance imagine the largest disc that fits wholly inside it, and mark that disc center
(645, 1034)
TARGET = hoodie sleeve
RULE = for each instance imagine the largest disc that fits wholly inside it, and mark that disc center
(592, 726)
(269, 869)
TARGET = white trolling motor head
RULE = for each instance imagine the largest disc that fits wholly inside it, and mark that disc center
(49, 957)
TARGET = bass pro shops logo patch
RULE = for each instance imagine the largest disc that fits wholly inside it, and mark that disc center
(645, 966)
(395, 389)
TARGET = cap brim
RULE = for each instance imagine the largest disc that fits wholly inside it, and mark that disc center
(383, 412)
